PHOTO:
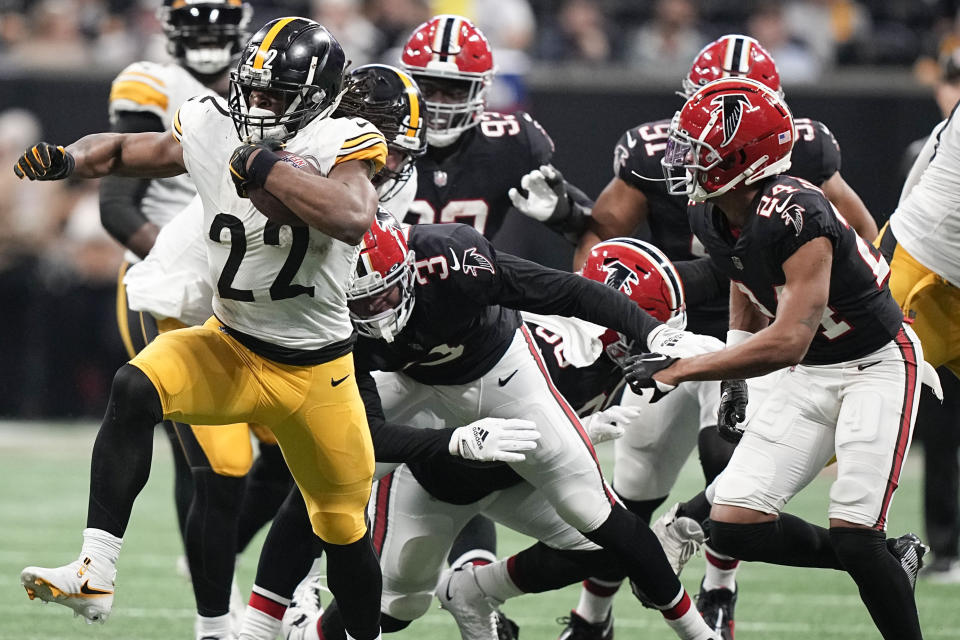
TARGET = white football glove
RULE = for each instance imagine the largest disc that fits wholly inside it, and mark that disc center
(608, 424)
(542, 195)
(495, 440)
(680, 344)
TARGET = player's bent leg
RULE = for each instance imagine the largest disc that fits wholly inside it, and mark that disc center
(119, 469)
(267, 486)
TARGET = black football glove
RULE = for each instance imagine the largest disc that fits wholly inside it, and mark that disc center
(44, 161)
(733, 409)
(638, 372)
(256, 173)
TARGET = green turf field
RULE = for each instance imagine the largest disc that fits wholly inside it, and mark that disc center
(44, 469)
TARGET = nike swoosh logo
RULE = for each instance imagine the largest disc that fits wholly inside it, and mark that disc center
(630, 141)
(86, 589)
(783, 205)
(503, 381)
(866, 365)
(334, 383)
(456, 263)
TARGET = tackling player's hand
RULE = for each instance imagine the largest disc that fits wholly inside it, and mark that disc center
(495, 440)
(608, 424)
(680, 344)
(542, 195)
(639, 372)
(733, 409)
(245, 173)
(44, 161)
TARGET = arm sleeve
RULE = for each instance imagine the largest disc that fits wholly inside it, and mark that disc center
(528, 286)
(120, 198)
(397, 442)
(702, 280)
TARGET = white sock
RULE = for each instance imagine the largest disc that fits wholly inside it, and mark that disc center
(216, 626)
(721, 571)
(263, 616)
(316, 569)
(102, 546)
(494, 580)
(685, 620)
(596, 599)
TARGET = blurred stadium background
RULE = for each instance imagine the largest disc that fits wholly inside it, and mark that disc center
(586, 69)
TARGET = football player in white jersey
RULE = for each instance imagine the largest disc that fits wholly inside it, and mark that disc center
(204, 37)
(173, 282)
(279, 350)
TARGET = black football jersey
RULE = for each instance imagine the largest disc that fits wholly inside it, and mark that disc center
(587, 389)
(467, 298)
(815, 158)
(468, 181)
(860, 317)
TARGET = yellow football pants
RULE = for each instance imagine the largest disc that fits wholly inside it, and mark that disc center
(226, 449)
(205, 376)
(929, 303)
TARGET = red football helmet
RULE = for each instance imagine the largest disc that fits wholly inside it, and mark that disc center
(731, 131)
(380, 297)
(732, 56)
(644, 274)
(449, 51)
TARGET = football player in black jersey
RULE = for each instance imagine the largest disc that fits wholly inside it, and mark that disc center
(645, 473)
(810, 297)
(442, 324)
(475, 156)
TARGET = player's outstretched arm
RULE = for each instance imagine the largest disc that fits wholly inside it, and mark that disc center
(342, 205)
(850, 206)
(617, 212)
(786, 340)
(145, 155)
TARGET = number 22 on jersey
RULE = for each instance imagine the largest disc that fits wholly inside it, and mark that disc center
(282, 287)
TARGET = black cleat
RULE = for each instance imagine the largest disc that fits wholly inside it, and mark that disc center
(716, 606)
(579, 629)
(507, 629)
(909, 550)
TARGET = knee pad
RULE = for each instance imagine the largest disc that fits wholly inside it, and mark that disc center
(741, 541)
(337, 527)
(133, 398)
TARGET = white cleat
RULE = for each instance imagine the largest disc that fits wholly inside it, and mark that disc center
(474, 612)
(681, 537)
(301, 617)
(81, 585)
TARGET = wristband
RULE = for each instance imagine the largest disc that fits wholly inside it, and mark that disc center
(260, 166)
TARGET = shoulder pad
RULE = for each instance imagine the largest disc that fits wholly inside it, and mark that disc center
(638, 153)
(142, 86)
(361, 141)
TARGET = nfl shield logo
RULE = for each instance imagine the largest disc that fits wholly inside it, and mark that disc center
(440, 178)
(737, 263)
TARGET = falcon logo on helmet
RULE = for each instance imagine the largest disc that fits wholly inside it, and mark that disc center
(731, 113)
(644, 274)
(619, 275)
(732, 131)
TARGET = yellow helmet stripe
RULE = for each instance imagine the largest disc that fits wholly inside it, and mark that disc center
(268, 40)
(414, 105)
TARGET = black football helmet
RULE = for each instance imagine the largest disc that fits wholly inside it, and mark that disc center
(295, 59)
(205, 36)
(389, 99)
